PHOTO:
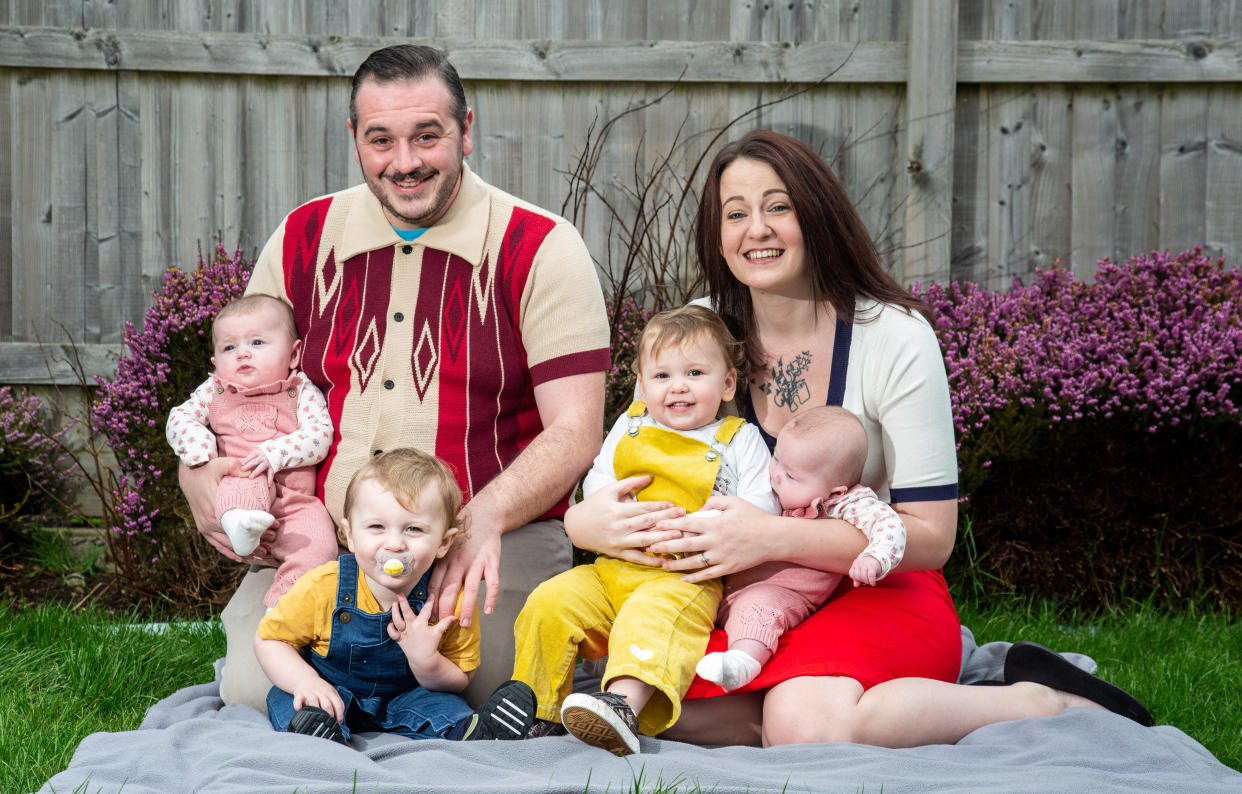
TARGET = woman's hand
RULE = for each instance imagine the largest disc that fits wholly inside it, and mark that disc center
(611, 522)
(713, 544)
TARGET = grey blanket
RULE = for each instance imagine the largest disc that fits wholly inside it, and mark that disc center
(191, 742)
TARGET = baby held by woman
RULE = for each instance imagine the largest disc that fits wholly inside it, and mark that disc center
(816, 470)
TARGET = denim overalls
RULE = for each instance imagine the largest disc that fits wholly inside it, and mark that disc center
(371, 673)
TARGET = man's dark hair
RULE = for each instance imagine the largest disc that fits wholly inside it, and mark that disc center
(409, 62)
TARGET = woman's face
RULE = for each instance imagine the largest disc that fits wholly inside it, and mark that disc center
(760, 237)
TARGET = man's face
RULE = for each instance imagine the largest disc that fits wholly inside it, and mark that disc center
(410, 148)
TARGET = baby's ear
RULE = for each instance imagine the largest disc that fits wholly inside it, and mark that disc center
(343, 535)
(446, 542)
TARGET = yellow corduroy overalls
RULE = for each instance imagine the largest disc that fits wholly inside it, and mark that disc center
(653, 626)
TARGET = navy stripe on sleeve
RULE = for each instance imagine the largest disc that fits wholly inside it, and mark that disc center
(924, 493)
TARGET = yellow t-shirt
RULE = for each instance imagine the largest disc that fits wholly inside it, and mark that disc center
(303, 617)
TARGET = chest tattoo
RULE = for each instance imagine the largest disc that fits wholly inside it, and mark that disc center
(787, 386)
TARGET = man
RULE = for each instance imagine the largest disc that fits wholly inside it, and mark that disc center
(437, 312)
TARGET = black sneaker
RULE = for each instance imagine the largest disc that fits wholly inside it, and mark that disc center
(314, 721)
(508, 713)
(602, 719)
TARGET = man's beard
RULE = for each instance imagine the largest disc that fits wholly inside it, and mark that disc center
(440, 200)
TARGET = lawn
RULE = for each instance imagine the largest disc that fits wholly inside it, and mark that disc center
(68, 674)
(72, 673)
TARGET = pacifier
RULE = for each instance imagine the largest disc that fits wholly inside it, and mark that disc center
(395, 564)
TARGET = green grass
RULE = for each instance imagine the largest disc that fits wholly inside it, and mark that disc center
(1186, 668)
(69, 674)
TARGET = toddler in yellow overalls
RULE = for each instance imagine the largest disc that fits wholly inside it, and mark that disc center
(652, 626)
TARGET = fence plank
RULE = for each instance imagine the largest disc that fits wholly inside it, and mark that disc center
(126, 255)
(153, 100)
(1183, 167)
(195, 162)
(931, 93)
(10, 115)
(1046, 231)
(1138, 172)
(970, 172)
(1224, 174)
(978, 61)
(1093, 194)
(31, 362)
(101, 261)
(35, 210)
(1086, 61)
(1011, 116)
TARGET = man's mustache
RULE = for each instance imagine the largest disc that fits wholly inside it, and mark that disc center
(417, 174)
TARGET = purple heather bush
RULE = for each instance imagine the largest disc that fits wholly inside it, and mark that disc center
(1157, 339)
(165, 360)
(1081, 407)
(35, 470)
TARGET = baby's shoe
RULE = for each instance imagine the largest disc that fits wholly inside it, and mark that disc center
(509, 713)
(314, 721)
(602, 719)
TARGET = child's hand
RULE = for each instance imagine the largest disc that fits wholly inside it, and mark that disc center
(417, 636)
(319, 692)
(256, 463)
(865, 570)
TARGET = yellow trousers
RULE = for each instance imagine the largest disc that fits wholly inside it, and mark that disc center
(653, 626)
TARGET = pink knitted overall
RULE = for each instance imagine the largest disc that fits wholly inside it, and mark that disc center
(304, 533)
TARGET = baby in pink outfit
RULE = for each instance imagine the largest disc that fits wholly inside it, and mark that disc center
(815, 472)
(259, 410)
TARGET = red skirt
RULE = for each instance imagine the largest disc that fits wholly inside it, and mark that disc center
(904, 626)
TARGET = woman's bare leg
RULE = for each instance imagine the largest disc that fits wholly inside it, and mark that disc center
(719, 721)
(904, 712)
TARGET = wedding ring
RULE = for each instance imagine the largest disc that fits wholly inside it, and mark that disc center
(703, 559)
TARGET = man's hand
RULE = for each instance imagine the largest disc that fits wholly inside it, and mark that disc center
(475, 556)
(571, 410)
(199, 484)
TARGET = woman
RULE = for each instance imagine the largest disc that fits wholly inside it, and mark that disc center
(792, 269)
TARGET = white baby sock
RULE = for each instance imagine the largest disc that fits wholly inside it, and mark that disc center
(244, 528)
(731, 669)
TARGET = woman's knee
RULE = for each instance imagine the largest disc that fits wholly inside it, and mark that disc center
(807, 710)
(810, 728)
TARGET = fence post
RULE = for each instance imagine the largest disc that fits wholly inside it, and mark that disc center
(931, 93)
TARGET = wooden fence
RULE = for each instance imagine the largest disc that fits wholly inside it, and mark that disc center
(979, 138)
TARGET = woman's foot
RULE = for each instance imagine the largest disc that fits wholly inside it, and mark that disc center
(1029, 661)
